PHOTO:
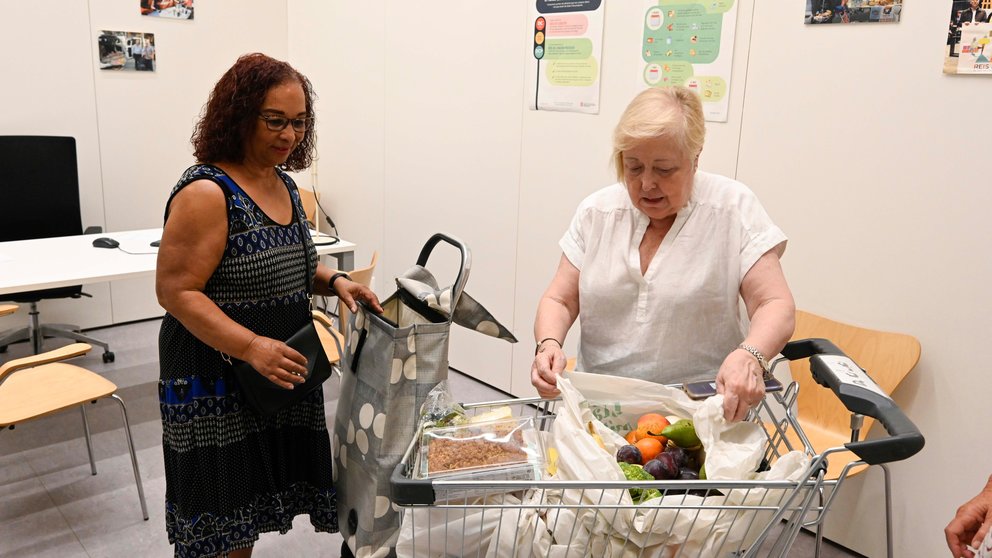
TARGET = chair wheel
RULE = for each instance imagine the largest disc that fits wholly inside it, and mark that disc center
(108, 356)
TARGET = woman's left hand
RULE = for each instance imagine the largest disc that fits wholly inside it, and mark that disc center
(742, 384)
(351, 292)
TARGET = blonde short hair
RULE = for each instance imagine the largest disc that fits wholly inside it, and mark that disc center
(675, 112)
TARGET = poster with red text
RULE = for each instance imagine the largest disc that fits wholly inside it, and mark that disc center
(565, 56)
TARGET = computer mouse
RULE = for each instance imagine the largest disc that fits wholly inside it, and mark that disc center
(155, 243)
(105, 242)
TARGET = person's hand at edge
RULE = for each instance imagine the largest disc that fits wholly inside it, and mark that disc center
(971, 523)
(276, 361)
(741, 382)
(549, 363)
(350, 292)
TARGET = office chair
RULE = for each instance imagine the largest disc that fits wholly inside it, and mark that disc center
(39, 184)
(37, 386)
(886, 357)
(327, 333)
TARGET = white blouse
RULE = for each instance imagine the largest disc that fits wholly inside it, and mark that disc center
(681, 319)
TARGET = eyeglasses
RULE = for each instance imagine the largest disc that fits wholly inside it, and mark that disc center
(279, 123)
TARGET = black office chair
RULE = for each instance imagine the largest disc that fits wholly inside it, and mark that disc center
(39, 189)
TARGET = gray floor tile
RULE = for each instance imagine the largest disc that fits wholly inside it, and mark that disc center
(41, 533)
(301, 541)
(23, 497)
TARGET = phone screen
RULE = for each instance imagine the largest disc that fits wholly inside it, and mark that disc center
(702, 390)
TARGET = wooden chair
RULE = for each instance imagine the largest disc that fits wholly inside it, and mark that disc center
(309, 200)
(37, 386)
(886, 357)
(326, 330)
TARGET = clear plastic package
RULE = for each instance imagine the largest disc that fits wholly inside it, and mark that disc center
(506, 449)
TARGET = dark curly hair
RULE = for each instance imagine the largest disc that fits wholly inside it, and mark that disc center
(231, 113)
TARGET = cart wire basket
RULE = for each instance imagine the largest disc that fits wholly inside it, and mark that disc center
(471, 517)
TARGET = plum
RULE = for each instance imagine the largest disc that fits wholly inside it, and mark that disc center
(662, 467)
(629, 454)
(681, 456)
(688, 474)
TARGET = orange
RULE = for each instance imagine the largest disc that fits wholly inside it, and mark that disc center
(650, 425)
(631, 437)
(650, 448)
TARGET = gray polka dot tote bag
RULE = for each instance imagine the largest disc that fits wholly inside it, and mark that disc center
(392, 361)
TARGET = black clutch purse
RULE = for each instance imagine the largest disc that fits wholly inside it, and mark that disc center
(266, 398)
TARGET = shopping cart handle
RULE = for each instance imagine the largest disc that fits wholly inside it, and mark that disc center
(860, 394)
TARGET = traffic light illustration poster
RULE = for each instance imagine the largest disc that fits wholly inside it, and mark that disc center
(690, 44)
(564, 60)
(969, 35)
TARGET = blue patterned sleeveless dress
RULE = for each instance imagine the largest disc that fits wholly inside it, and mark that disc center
(231, 474)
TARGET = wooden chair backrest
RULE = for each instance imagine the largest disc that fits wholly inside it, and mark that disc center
(362, 276)
(887, 357)
(309, 200)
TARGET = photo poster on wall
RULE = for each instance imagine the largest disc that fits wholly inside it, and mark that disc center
(565, 57)
(127, 51)
(969, 35)
(692, 45)
(172, 9)
(853, 11)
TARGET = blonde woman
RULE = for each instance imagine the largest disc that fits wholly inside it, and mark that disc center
(655, 266)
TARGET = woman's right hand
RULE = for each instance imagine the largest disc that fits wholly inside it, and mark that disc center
(549, 362)
(276, 361)
(971, 524)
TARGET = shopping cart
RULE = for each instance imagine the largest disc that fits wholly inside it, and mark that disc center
(458, 517)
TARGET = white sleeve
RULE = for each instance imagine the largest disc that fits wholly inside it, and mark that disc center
(573, 243)
(759, 233)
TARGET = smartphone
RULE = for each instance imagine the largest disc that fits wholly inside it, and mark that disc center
(702, 390)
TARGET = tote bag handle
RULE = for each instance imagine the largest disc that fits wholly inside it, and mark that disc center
(466, 263)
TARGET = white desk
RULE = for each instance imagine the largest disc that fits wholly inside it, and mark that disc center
(45, 263)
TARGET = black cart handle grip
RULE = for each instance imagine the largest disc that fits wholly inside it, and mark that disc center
(464, 269)
(408, 491)
(860, 394)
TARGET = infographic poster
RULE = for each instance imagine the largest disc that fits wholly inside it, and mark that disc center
(564, 61)
(691, 44)
(968, 38)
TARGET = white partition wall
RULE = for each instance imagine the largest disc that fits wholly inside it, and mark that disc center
(865, 154)
(132, 129)
(48, 90)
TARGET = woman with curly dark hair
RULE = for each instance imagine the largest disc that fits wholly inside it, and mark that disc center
(232, 276)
